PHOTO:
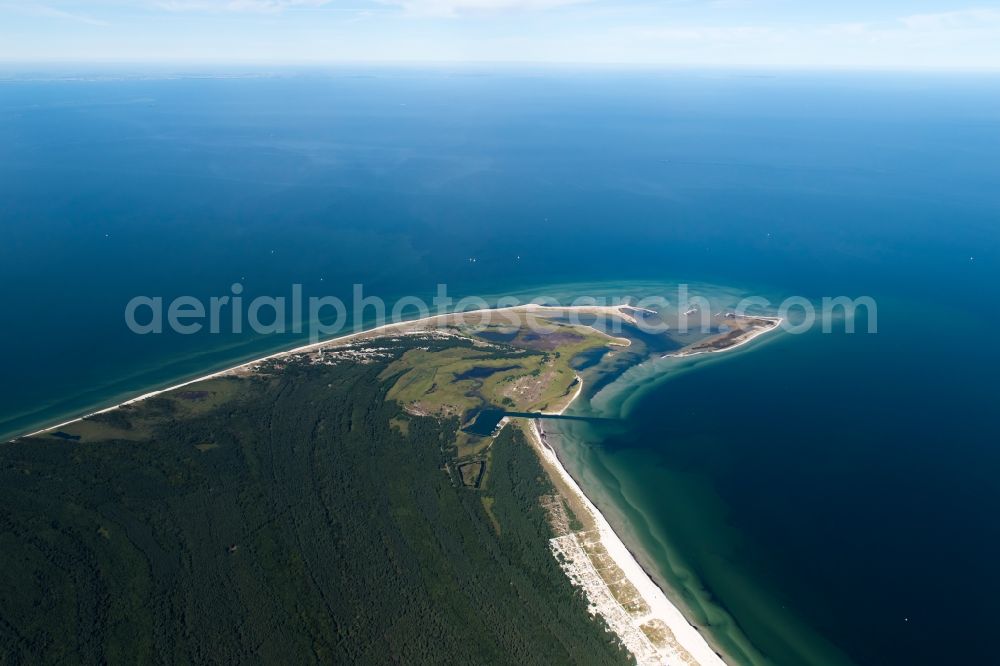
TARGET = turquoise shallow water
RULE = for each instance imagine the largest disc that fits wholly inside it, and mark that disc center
(831, 495)
(821, 491)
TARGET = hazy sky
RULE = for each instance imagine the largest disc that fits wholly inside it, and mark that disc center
(838, 33)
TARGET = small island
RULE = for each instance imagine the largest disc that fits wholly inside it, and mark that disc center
(733, 331)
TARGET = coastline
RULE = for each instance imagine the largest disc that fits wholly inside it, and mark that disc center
(377, 331)
(749, 337)
(685, 635)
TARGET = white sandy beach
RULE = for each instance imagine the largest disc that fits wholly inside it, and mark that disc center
(660, 607)
(749, 337)
(399, 328)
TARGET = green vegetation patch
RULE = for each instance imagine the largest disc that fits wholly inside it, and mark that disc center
(526, 371)
(138, 421)
(318, 531)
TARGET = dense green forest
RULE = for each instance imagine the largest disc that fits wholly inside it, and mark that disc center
(297, 516)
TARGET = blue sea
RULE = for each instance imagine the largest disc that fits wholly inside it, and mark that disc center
(810, 499)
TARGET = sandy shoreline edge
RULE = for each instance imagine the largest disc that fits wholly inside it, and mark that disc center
(660, 606)
(685, 633)
(776, 323)
(423, 325)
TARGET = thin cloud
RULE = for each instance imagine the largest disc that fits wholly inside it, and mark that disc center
(237, 6)
(456, 8)
(703, 33)
(954, 20)
(45, 11)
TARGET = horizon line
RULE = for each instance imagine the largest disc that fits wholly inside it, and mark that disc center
(517, 64)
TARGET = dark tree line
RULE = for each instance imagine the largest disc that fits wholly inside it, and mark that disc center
(310, 531)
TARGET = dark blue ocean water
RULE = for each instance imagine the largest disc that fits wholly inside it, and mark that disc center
(852, 477)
